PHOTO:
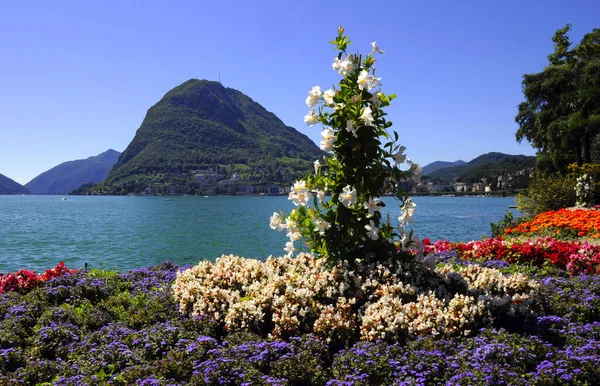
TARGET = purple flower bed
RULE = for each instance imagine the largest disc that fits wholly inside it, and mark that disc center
(98, 327)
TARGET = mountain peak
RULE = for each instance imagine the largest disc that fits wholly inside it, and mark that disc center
(8, 186)
(67, 176)
(485, 165)
(201, 123)
(430, 168)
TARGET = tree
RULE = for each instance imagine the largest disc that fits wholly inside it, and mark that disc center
(561, 112)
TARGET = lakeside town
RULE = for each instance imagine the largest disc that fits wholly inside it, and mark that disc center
(212, 182)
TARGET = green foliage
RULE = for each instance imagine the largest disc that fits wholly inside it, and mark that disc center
(591, 173)
(42, 342)
(359, 171)
(489, 166)
(546, 193)
(498, 228)
(560, 114)
(201, 125)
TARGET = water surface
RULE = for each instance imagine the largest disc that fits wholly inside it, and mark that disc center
(36, 232)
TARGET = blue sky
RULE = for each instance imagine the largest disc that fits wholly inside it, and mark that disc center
(77, 77)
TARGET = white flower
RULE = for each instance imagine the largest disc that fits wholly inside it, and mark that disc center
(311, 101)
(407, 211)
(328, 96)
(300, 198)
(375, 98)
(348, 196)
(317, 165)
(299, 186)
(337, 64)
(404, 219)
(344, 66)
(327, 138)
(321, 226)
(290, 225)
(311, 118)
(321, 195)
(372, 230)
(400, 156)
(366, 116)
(313, 96)
(404, 239)
(416, 177)
(366, 81)
(339, 106)
(376, 48)
(409, 207)
(363, 80)
(299, 193)
(275, 222)
(351, 129)
(372, 205)
(295, 235)
(289, 247)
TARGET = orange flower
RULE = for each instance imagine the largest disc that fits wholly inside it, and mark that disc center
(585, 222)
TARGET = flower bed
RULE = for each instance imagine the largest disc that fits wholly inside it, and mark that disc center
(369, 301)
(580, 222)
(100, 328)
(25, 280)
(576, 257)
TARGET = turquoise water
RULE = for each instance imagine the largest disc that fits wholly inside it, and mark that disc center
(36, 232)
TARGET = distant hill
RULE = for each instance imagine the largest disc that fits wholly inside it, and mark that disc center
(201, 125)
(484, 166)
(429, 168)
(8, 186)
(68, 176)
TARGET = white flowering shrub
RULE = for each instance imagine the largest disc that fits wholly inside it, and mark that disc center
(389, 300)
(365, 280)
(584, 190)
(357, 170)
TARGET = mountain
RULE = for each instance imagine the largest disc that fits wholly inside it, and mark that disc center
(68, 176)
(429, 168)
(201, 125)
(484, 166)
(8, 186)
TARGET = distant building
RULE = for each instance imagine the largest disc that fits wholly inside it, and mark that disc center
(503, 182)
(461, 187)
(479, 187)
(419, 188)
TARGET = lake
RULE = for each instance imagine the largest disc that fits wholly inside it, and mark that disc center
(37, 232)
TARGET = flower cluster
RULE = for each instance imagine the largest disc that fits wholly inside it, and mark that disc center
(103, 327)
(25, 280)
(584, 189)
(580, 221)
(574, 257)
(356, 171)
(379, 300)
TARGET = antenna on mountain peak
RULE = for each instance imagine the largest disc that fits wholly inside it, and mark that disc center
(219, 77)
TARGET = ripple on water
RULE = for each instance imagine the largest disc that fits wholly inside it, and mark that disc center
(36, 232)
